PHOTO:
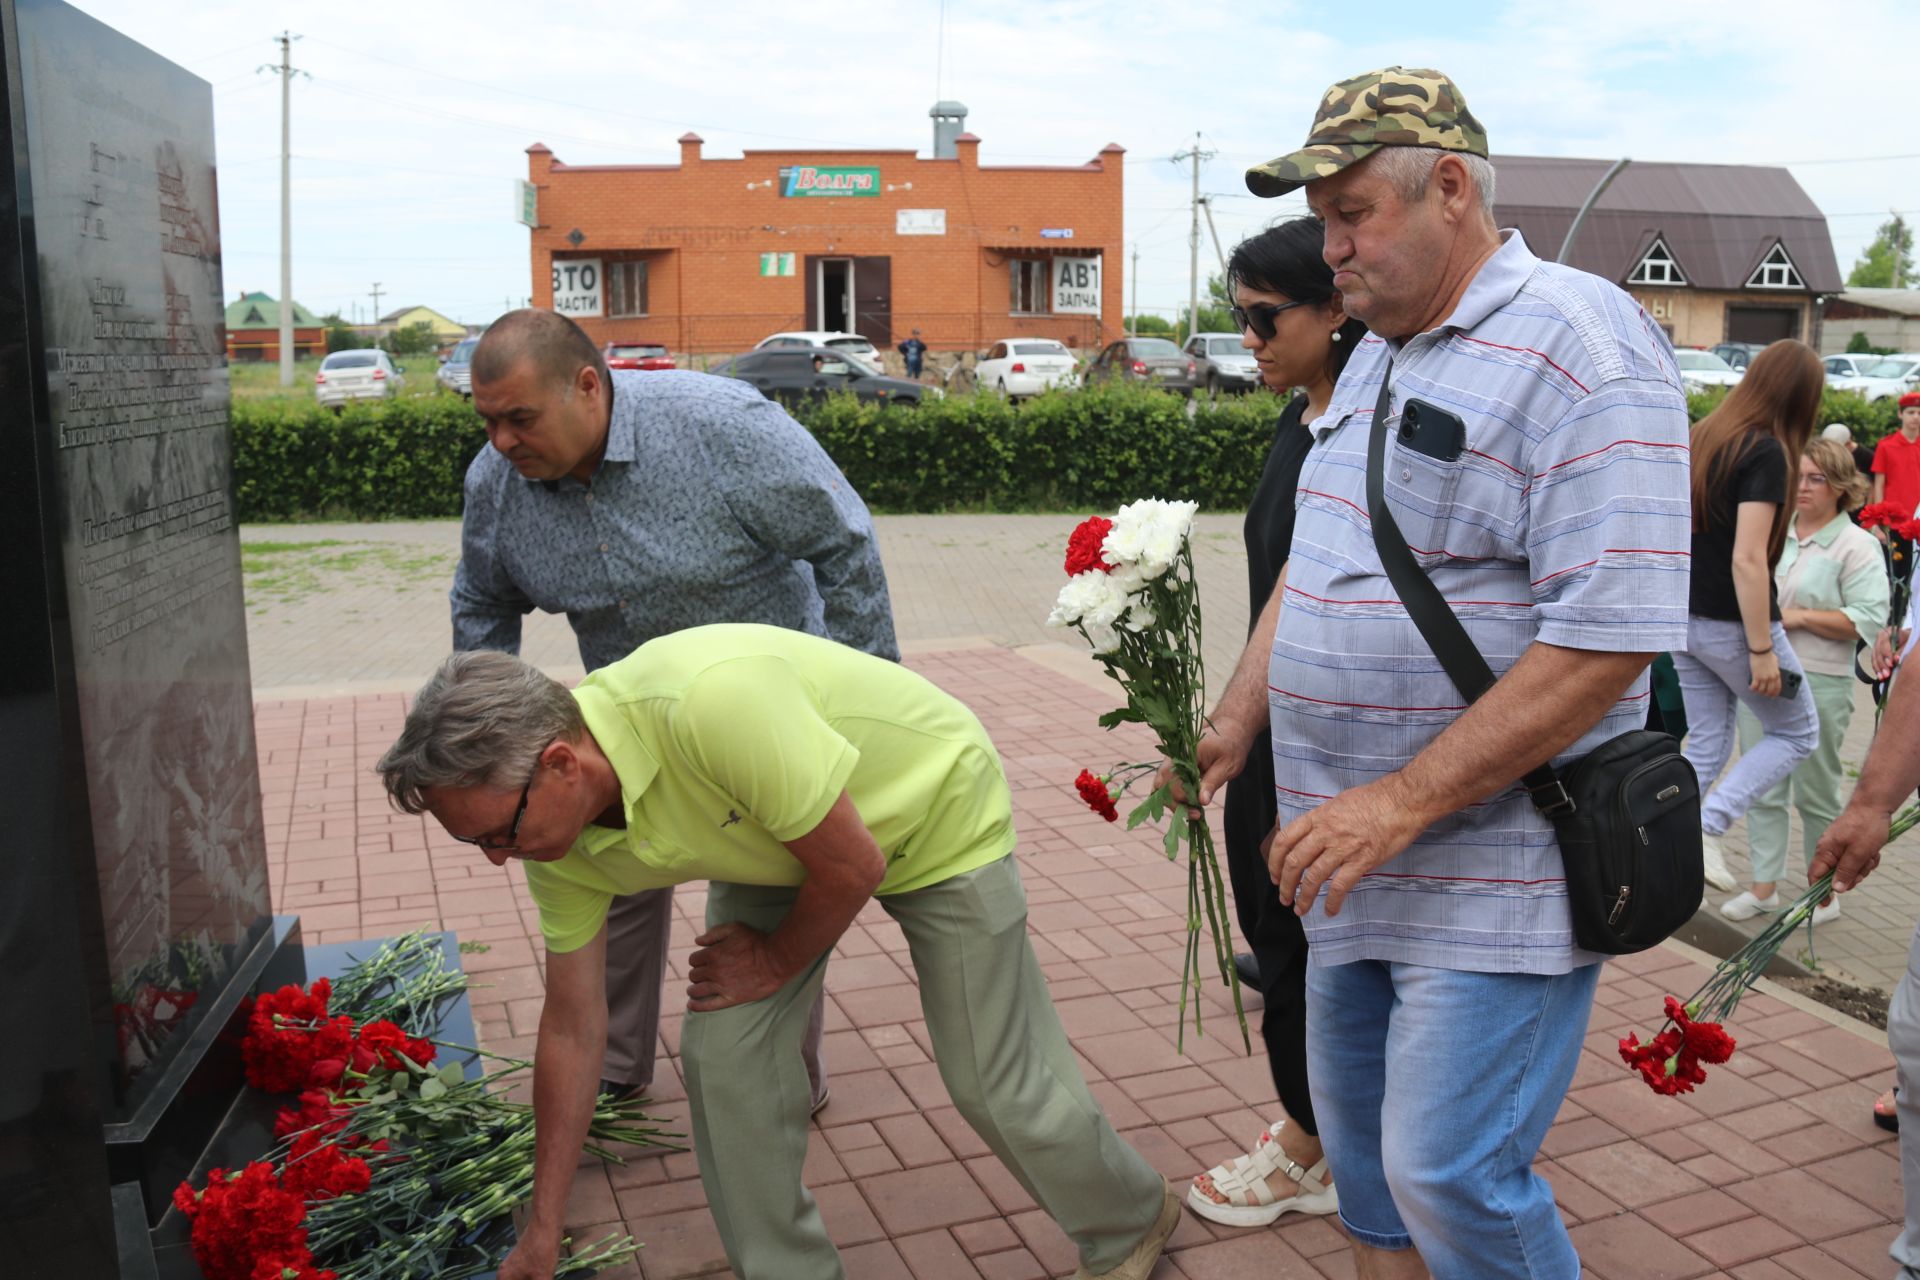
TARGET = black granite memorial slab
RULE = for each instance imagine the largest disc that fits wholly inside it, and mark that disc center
(134, 908)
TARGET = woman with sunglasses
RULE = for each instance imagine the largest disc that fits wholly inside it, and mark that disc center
(1291, 319)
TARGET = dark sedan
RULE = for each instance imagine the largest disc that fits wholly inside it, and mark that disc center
(804, 375)
(1154, 361)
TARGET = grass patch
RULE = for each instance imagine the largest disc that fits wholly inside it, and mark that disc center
(289, 572)
(259, 381)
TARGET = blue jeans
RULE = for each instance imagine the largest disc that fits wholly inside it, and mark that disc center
(1433, 1089)
(1713, 680)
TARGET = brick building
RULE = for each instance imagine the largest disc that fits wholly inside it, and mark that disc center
(1714, 252)
(713, 254)
(253, 330)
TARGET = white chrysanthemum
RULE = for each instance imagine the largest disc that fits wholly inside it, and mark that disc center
(1093, 598)
(1102, 637)
(1141, 616)
(1148, 534)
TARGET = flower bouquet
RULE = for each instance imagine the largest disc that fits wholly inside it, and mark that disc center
(386, 1169)
(1670, 1063)
(1902, 531)
(1131, 594)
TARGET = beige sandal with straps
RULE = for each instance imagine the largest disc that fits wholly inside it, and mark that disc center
(1249, 1201)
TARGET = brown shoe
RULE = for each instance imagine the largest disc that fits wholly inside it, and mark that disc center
(1138, 1265)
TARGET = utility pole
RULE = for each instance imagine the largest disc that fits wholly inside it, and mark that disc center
(1196, 155)
(1206, 202)
(285, 71)
(375, 319)
(1136, 286)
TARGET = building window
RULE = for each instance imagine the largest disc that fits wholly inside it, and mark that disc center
(1776, 271)
(1658, 267)
(1029, 295)
(626, 288)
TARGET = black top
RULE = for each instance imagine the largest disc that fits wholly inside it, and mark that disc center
(1757, 474)
(1250, 808)
(1269, 526)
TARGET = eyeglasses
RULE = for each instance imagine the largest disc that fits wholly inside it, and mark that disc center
(512, 839)
(1259, 317)
(1815, 479)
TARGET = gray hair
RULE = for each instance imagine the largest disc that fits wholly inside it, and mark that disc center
(480, 721)
(1410, 169)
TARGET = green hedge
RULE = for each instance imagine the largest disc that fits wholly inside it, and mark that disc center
(1074, 450)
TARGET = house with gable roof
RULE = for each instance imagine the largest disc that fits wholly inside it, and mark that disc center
(1714, 252)
(253, 330)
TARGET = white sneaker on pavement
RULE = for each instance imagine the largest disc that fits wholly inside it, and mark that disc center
(1744, 906)
(1831, 911)
(1714, 859)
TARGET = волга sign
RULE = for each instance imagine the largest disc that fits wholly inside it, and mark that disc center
(807, 180)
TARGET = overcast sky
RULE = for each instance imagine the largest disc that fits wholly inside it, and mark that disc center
(409, 134)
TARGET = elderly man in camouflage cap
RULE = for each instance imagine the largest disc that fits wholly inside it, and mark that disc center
(1544, 492)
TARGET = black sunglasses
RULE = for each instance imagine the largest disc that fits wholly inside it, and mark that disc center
(513, 833)
(1259, 317)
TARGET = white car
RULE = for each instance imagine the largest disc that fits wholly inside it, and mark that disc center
(1223, 363)
(366, 374)
(1702, 369)
(1841, 368)
(1025, 367)
(850, 343)
(1885, 378)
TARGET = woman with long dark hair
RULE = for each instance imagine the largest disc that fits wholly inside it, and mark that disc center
(1746, 455)
(1290, 318)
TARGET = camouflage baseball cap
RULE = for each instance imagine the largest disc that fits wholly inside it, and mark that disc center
(1396, 107)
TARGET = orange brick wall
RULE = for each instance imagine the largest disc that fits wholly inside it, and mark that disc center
(264, 344)
(703, 230)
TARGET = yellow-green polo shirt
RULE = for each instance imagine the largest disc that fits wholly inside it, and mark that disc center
(730, 739)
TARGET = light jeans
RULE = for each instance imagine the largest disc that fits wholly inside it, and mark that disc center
(1433, 1089)
(1815, 785)
(1713, 680)
(1903, 1037)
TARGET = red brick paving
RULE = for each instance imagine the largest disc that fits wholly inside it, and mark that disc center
(1772, 1171)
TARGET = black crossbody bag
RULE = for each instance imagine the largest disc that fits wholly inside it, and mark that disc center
(1627, 813)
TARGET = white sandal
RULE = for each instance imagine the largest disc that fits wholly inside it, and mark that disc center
(1250, 1202)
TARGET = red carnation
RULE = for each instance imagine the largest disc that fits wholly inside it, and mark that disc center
(319, 1170)
(1880, 513)
(1083, 547)
(241, 1218)
(1093, 790)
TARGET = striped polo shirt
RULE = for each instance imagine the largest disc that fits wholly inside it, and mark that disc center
(1564, 521)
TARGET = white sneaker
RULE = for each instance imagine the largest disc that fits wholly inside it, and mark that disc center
(1829, 912)
(1745, 906)
(1715, 862)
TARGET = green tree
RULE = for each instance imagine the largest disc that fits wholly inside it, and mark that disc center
(1151, 326)
(414, 340)
(1214, 314)
(340, 336)
(1887, 263)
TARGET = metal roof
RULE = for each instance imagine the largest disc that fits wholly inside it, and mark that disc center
(1719, 221)
(1902, 302)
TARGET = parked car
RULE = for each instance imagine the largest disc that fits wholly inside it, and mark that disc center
(1025, 367)
(1222, 363)
(847, 343)
(637, 355)
(1885, 378)
(1702, 369)
(1847, 366)
(791, 376)
(1738, 354)
(456, 374)
(1151, 360)
(357, 375)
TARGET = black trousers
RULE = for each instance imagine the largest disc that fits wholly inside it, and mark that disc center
(1278, 939)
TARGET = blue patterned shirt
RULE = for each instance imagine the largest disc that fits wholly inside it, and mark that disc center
(1564, 521)
(711, 505)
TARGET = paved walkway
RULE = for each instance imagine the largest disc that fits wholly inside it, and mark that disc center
(1772, 1171)
(350, 608)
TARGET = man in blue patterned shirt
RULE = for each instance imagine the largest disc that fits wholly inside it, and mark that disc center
(1446, 998)
(638, 504)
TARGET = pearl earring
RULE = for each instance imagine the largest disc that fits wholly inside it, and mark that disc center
(1336, 335)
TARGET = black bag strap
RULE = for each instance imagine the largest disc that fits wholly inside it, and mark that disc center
(1438, 625)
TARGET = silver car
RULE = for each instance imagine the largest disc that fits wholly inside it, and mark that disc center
(1222, 365)
(456, 375)
(357, 375)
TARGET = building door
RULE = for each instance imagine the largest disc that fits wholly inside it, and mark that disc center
(873, 301)
(1762, 324)
(833, 291)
